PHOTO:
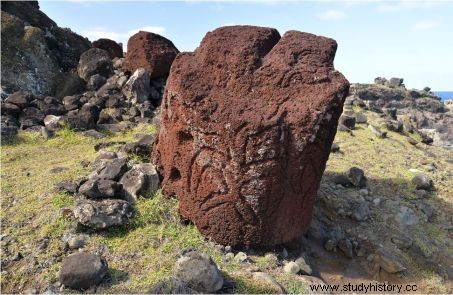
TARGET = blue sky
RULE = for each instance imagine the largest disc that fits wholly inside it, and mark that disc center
(409, 39)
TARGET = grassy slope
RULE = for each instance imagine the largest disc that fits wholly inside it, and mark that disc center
(143, 253)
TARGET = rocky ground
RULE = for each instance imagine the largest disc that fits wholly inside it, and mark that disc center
(381, 229)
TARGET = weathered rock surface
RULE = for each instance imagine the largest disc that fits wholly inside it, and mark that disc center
(137, 89)
(82, 270)
(36, 54)
(103, 214)
(113, 48)
(150, 51)
(142, 179)
(94, 61)
(246, 128)
(199, 272)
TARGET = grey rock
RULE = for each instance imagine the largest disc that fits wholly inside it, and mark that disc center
(94, 61)
(348, 121)
(268, 279)
(93, 134)
(406, 216)
(393, 125)
(8, 131)
(46, 133)
(330, 245)
(198, 271)
(67, 187)
(103, 214)
(137, 89)
(360, 118)
(142, 179)
(402, 242)
(142, 147)
(83, 270)
(361, 212)
(113, 169)
(388, 261)
(357, 177)
(335, 148)
(342, 180)
(240, 257)
(53, 122)
(345, 246)
(72, 102)
(305, 268)
(423, 182)
(291, 267)
(101, 189)
(395, 82)
(77, 241)
(20, 99)
(95, 82)
(10, 109)
(377, 131)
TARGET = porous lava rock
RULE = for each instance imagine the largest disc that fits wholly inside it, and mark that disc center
(150, 51)
(248, 119)
(113, 48)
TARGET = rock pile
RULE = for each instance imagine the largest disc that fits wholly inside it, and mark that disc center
(105, 199)
(403, 110)
(111, 97)
(245, 137)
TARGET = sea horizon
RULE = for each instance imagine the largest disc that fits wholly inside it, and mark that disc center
(444, 95)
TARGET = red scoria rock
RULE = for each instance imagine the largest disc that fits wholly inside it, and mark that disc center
(150, 51)
(113, 48)
(248, 119)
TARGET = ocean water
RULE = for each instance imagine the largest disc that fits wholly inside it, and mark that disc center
(444, 95)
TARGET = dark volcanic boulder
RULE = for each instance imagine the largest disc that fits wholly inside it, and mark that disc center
(82, 270)
(150, 51)
(94, 61)
(113, 48)
(247, 124)
(36, 54)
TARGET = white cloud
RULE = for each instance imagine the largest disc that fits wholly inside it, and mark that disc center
(121, 37)
(426, 25)
(332, 15)
(406, 5)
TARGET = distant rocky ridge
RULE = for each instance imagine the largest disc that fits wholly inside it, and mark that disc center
(37, 55)
(419, 111)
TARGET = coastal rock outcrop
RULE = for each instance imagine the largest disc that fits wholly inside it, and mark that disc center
(247, 123)
(36, 54)
(151, 52)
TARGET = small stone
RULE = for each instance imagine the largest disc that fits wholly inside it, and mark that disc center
(240, 257)
(360, 118)
(406, 216)
(330, 245)
(291, 267)
(229, 256)
(142, 180)
(228, 249)
(103, 214)
(335, 148)
(357, 177)
(261, 276)
(423, 182)
(345, 246)
(198, 271)
(402, 242)
(93, 134)
(77, 241)
(46, 133)
(304, 266)
(113, 169)
(82, 270)
(376, 201)
(363, 192)
(342, 180)
(388, 261)
(361, 212)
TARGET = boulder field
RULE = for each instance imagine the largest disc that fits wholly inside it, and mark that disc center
(247, 122)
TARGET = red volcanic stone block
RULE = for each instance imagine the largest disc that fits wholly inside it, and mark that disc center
(248, 119)
(150, 51)
(113, 48)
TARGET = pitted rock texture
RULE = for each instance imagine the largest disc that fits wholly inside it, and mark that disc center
(150, 51)
(247, 124)
(113, 48)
